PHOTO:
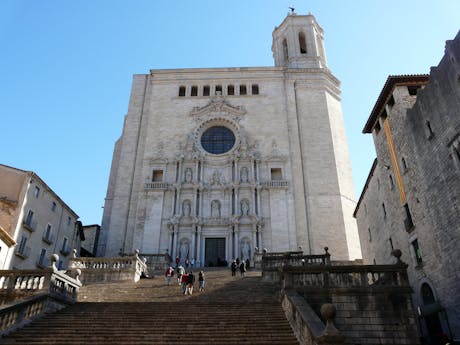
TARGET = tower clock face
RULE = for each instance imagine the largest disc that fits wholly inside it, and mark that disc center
(218, 140)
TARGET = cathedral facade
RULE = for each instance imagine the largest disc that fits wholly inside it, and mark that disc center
(218, 163)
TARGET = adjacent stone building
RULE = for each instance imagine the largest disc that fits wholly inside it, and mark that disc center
(411, 197)
(217, 163)
(34, 222)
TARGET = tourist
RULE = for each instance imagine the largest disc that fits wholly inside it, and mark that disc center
(190, 282)
(169, 274)
(192, 262)
(186, 263)
(180, 272)
(184, 281)
(242, 268)
(233, 267)
(201, 281)
(177, 261)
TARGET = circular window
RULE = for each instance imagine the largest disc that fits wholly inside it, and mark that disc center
(217, 140)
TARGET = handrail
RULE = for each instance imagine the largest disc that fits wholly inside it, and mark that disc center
(109, 269)
(32, 293)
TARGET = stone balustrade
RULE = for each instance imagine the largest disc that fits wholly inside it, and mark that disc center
(157, 185)
(272, 263)
(352, 276)
(109, 269)
(275, 184)
(156, 262)
(28, 294)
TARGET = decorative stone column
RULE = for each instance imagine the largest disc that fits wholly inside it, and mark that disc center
(176, 241)
(198, 259)
(237, 240)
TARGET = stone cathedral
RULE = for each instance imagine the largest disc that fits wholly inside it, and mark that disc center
(219, 163)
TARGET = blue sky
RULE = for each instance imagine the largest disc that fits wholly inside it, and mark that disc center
(66, 69)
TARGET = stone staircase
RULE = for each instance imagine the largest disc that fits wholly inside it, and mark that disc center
(231, 311)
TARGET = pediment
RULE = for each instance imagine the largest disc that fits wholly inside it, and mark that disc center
(218, 105)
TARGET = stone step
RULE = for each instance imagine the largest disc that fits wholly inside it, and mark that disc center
(232, 311)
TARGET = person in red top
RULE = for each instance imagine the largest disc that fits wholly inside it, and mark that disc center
(168, 274)
(184, 280)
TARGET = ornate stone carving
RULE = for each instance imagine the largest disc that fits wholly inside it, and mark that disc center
(215, 209)
(218, 105)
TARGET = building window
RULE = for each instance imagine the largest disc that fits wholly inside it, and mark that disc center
(182, 91)
(65, 250)
(22, 245)
(384, 210)
(456, 152)
(285, 50)
(230, 90)
(391, 244)
(417, 252)
(36, 192)
(29, 218)
(218, 140)
(69, 220)
(206, 90)
(392, 184)
(243, 89)
(218, 89)
(427, 294)
(276, 174)
(157, 176)
(42, 258)
(194, 91)
(428, 130)
(302, 43)
(391, 101)
(408, 223)
(48, 231)
(404, 164)
(370, 234)
(53, 207)
(255, 89)
(413, 89)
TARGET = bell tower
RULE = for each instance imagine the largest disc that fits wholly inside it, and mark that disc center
(299, 42)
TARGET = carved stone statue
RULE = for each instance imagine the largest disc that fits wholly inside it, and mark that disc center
(186, 208)
(246, 250)
(215, 208)
(216, 175)
(244, 174)
(244, 207)
(183, 250)
(188, 175)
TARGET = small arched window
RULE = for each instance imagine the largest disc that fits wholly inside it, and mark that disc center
(181, 91)
(206, 90)
(285, 50)
(194, 91)
(427, 294)
(255, 89)
(230, 90)
(302, 43)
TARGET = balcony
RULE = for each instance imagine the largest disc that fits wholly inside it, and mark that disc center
(29, 225)
(157, 185)
(23, 252)
(65, 250)
(275, 184)
(42, 262)
(48, 239)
